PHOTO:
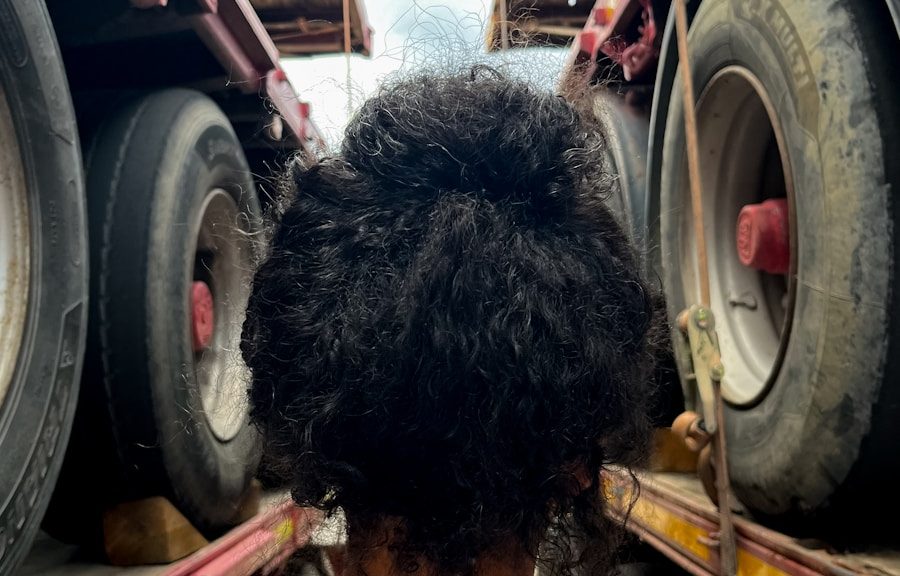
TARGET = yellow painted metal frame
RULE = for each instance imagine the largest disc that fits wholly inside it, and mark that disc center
(686, 533)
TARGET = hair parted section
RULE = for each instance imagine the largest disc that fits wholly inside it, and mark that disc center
(451, 329)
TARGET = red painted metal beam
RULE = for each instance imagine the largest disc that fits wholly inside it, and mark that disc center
(238, 39)
(603, 35)
(229, 51)
(295, 112)
(250, 33)
(257, 544)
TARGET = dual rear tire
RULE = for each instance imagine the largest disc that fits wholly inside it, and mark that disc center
(174, 234)
(43, 271)
(170, 205)
(798, 106)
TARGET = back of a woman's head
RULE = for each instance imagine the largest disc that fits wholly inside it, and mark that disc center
(450, 332)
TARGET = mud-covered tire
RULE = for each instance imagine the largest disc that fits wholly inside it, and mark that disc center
(819, 442)
(144, 428)
(43, 260)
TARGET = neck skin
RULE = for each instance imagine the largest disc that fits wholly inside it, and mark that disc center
(505, 559)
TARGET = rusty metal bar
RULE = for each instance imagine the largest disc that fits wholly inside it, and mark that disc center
(690, 132)
(346, 12)
(728, 544)
(728, 549)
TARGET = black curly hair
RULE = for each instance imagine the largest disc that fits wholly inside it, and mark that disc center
(451, 330)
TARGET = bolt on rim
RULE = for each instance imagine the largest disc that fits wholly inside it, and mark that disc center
(223, 261)
(748, 195)
(15, 248)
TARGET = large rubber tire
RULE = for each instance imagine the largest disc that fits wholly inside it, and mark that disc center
(821, 441)
(625, 129)
(151, 171)
(40, 169)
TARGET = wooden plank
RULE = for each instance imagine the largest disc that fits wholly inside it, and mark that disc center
(148, 531)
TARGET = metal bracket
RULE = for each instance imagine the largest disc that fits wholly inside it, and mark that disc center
(697, 326)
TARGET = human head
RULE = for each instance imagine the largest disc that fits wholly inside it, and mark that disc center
(451, 334)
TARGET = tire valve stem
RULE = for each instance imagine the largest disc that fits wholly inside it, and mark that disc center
(745, 300)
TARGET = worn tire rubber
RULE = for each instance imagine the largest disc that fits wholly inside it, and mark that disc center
(625, 130)
(37, 411)
(626, 133)
(149, 169)
(821, 443)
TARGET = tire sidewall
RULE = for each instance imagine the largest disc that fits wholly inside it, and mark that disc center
(36, 415)
(801, 440)
(205, 158)
(624, 156)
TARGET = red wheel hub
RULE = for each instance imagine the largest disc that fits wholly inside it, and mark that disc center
(763, 236)
(202, 315)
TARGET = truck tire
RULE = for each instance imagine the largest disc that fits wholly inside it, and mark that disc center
(797, 107)
(43, 271)
(625, 129)
(174, 220)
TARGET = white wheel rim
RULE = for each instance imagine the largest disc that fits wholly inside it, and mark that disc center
(15, 249)
(735, 120)
(224, 260)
